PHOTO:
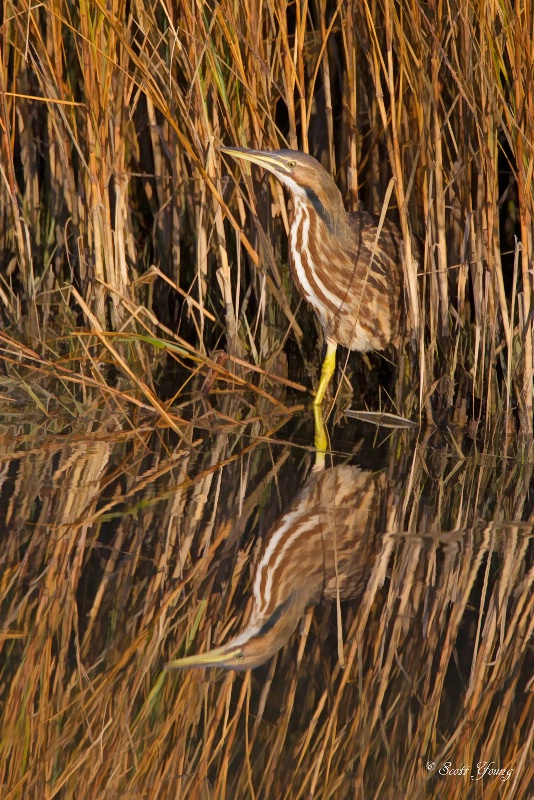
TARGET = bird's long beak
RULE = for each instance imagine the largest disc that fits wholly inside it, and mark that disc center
(218, 657)
(269, 161)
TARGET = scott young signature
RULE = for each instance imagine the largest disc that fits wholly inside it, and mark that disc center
(484, 769)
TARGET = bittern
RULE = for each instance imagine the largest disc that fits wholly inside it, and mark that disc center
(319, 548)
(344, 265)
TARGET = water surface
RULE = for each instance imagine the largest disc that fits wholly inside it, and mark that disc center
(127, 545)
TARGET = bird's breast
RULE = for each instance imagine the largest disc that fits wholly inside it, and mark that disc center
(351, 289)
(315, 549)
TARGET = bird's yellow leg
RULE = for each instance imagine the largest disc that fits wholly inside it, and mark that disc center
(329, 365)
(321, 439)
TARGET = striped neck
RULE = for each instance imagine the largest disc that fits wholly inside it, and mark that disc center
(312, 244)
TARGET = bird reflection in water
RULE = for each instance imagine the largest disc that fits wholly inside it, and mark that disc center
(317, 549)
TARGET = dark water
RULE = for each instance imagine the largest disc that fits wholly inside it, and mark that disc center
(125, 546)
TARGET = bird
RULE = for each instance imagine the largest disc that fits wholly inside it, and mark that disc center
(345, 265)
(319, 548)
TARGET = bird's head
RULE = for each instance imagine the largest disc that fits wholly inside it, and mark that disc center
(306, 179)
(260, 640)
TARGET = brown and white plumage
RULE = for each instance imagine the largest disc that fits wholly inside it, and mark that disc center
(315, 550)
(351, 276)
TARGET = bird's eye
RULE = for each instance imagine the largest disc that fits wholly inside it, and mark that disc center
(291, 163)
(239, 657)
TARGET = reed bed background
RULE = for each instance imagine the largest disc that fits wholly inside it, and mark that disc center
(156, 361)
(117, 214)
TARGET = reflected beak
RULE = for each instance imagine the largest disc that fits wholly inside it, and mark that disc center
(268, 161)
(224, 657)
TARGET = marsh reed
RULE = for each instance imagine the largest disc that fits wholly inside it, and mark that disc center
(117, 214)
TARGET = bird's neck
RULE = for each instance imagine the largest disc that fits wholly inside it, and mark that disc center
(329, 217)
(313, 236)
